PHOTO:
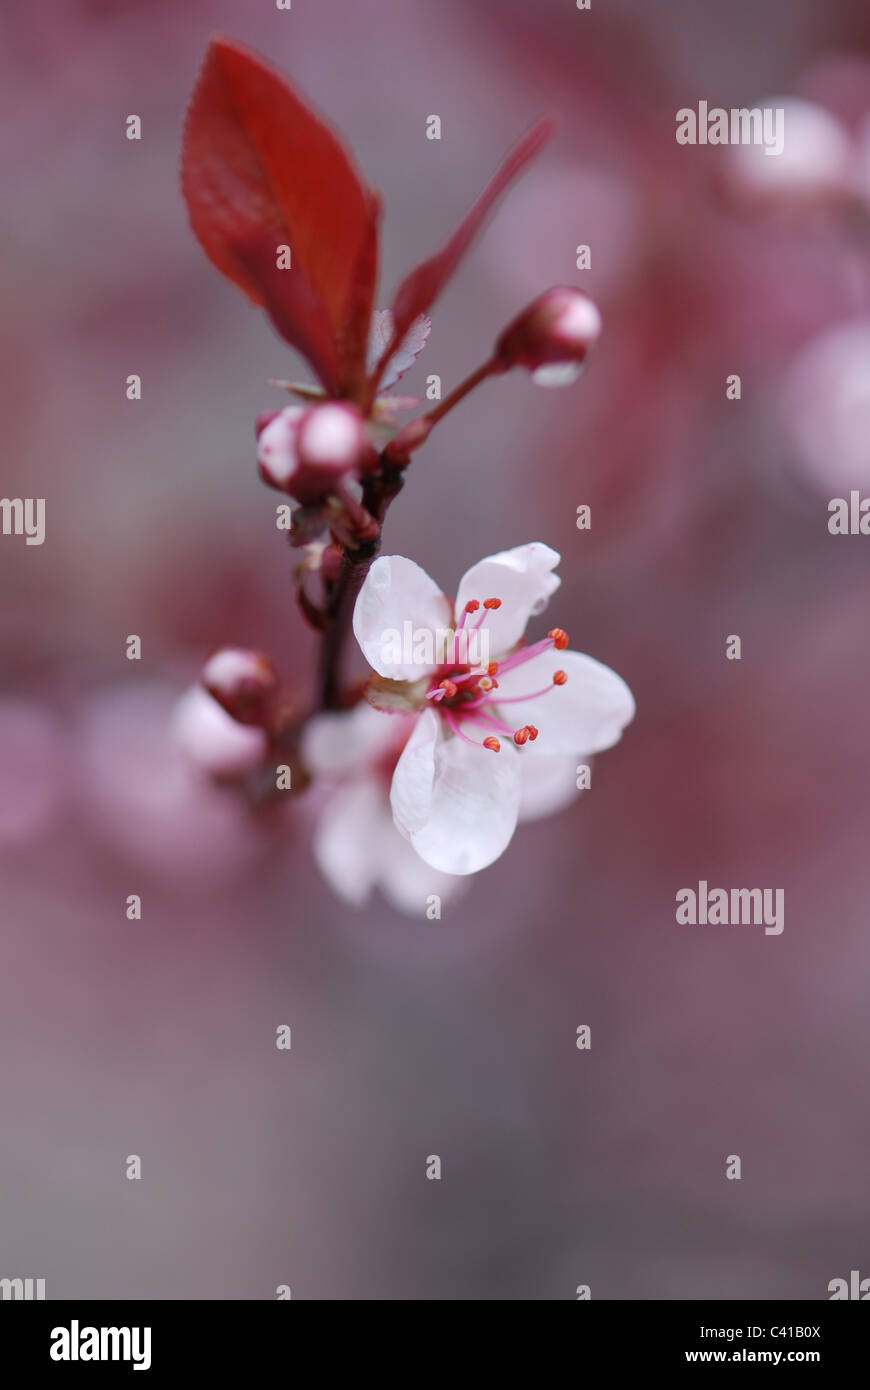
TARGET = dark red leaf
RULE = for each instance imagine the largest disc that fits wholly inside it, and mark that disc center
(354, 341)
(292, 305)
(260, 170)
(422, 286)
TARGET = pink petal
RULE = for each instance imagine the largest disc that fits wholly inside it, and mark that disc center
(522, 578)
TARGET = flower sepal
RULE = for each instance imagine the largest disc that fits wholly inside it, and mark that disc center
(396, 697)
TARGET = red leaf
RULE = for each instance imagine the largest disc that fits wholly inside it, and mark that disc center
(354, 340)
(260, 170)
(421, 287)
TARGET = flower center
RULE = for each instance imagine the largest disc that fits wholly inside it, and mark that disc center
(465, 696)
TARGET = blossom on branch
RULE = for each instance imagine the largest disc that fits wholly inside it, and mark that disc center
(458, 784)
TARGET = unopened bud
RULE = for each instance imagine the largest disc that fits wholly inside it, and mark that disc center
(332, 439)
(307, 451)
(244, 682)
(552, 336)
(276, 447)
(211, 739)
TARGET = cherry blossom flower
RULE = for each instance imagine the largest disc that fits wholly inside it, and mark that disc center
(356, 843)
(458, 784)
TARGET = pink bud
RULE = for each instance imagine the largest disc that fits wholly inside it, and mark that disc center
(276, 447)
(308, 451)
(244, 682)
(552, 336)
(214, 741)
(332, 439)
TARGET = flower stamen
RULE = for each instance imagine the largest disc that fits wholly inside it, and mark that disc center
(489, 742)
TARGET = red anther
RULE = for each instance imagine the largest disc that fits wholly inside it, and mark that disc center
(472, 605)
(485, 683)
(520, 736)
(449, 688)
(492, 743)
(492, 603)
(560, 638)
(492, 668)
(560, 677)
(533, 733)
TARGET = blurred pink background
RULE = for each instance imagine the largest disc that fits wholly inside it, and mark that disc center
(456, 1037)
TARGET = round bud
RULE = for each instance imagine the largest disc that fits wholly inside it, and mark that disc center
(211, 739)
(332, 442)
(244, 682)
(276, 447)
(308, 451)
(552, 336)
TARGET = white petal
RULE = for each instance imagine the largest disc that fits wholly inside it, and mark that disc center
(348, 839)
(548, 784)
(414, 777)
(397, 592)
(522, 578)
(457, 804)
(333, 744)
(585, 715)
